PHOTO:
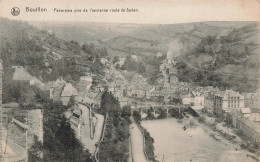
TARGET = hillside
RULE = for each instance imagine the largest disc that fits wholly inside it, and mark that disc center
(232, 59)
(44, 55)
(141, 39)
(228, 50)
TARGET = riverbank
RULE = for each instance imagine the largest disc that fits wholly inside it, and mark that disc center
(222, 133)
(148, 141)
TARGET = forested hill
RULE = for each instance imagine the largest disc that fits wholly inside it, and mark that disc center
(230, 61)
(44, 55)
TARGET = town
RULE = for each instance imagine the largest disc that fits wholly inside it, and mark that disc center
(239, 112)
(110, 109)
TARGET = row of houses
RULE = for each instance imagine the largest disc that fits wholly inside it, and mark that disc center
(240, 110)
(60, 90)
(245, 122)
(139, 88)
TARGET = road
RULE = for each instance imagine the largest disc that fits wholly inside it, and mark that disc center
(85, 137)
(137, 143)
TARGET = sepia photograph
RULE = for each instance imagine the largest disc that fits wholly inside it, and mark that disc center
(120, 81)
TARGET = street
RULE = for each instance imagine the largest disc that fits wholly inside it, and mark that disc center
(137, 143)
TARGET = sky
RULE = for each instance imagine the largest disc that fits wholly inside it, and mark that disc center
(149, 11)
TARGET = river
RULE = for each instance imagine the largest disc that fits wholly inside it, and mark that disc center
(172, 143)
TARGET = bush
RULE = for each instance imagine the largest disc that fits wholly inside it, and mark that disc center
(202, 119)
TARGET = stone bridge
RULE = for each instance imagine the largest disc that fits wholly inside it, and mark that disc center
(169, 110)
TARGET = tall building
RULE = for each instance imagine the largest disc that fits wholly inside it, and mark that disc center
(170, 59)
(227, 100)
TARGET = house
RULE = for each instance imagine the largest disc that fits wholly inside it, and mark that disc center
(139, 93)
(121, 61)
(36, 82)
(245, 111)
(67, 92)
(20, 74)
(138, 79)
(249, 126)
(55, 88)
(254, 117)
(198, 100)
(251, 100)
(56, 56)
(225, 101)
(103, 61)
(85, 83)
(99, 88)
(140, 90)
(134, 57)
(195, 99)
(187, 99)
(97, 98)
(149, 92)
(208, 104)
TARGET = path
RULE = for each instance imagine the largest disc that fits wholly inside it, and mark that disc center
(137, 143)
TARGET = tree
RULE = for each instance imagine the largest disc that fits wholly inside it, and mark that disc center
(161, 99)
(126, 111)
(116, 59)
(35, 152)
(162, 114)
(71, 102)
(115, 144)
(109, 104)
(117, 66)
(150, 115)
(103, 52)
(137, 116)
(130, 64)
(60, 142)
(141, 68)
